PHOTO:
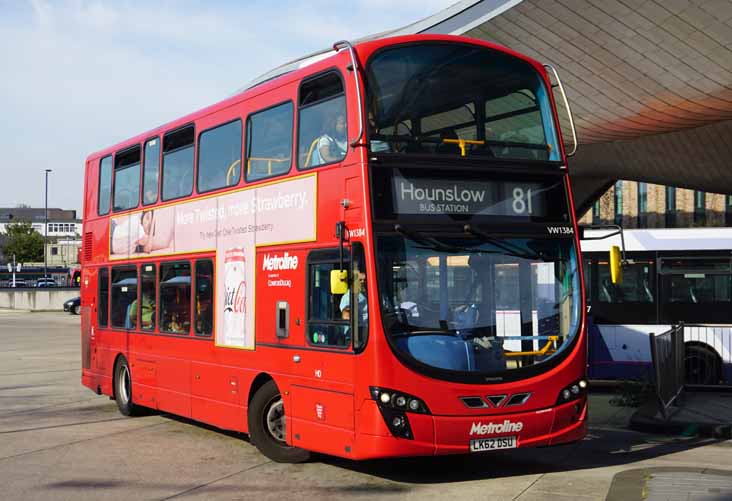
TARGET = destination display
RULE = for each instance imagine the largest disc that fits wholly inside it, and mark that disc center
(471, 197)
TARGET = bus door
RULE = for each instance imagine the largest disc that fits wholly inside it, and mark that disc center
(141, 318)
(335, 330)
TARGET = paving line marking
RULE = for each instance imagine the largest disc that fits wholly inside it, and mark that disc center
(34, 409)
(80, 441)
(36, 372)
(20, 430)
(529, 486)
(188, 491)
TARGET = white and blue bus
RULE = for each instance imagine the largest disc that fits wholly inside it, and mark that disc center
(669, 276)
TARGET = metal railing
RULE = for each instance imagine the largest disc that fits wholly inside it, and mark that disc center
(667, 355)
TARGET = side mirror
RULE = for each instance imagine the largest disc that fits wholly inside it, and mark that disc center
(338, 281)
(616, 266)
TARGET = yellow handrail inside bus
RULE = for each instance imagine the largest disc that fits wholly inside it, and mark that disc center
(542, 351)
(310, 151)
(462, 142)
(269, 161)
(230, 171)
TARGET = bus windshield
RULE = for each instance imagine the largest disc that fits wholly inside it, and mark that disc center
(479, 305)
(425, 98)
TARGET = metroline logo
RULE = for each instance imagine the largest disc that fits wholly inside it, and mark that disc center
(504, 427)
(273, 262)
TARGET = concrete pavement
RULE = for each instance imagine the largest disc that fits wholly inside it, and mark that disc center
(58, 440)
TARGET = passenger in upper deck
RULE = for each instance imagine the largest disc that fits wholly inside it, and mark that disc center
(332, 144)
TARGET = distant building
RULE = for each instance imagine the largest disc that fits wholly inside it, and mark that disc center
(63, 252)
(642, 205)
(61, 222)
(64, 230)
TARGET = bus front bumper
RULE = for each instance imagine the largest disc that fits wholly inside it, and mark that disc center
(440, 435)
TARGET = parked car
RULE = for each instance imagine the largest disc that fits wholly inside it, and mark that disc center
(73, 305)
(45, 282)
(18, 283)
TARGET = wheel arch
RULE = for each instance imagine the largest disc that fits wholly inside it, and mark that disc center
(260, 380)
(708, 348)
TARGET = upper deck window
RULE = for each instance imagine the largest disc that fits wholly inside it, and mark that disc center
(323, 135)
(269, 142)
(105, 185)
(127, 179)
(424, 98)
(150, 171)
(178, 163)
(219, 157)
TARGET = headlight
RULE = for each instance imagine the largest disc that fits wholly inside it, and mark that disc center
(394, 407)
(574, 391)
(398, 400)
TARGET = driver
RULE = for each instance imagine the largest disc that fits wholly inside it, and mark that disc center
(363, 307)
(407, 294)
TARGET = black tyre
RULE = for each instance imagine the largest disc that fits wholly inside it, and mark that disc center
(123, 388)
(702, 365)
(267, 426)
(76, 309)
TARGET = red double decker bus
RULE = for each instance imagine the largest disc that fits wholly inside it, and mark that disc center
(372, 254)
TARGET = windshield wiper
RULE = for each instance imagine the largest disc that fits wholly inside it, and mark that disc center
(425, 332)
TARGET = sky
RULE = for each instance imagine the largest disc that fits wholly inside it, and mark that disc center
(82, 75)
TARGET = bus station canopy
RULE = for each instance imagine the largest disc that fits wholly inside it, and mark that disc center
(649, 82)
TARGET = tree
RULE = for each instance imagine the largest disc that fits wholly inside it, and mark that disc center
(23, 241)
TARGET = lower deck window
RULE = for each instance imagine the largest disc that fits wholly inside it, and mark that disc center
(204, 297)
(329, 313)
(175, 298)
(124, 295)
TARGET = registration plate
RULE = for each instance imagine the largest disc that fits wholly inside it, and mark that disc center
(492, 444)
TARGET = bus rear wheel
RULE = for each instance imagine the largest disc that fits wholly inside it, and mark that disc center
(702, 365)
(267, 428)
(123, 388)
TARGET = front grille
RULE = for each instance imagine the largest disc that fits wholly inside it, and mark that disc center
(496, 400)
(474, 402)
(518, 399)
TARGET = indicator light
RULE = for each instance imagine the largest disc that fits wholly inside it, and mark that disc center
(385, 398)
(575, 389)
(414, 404)
(566, 394)
(583, 384)
(400, 401)
(398, 421)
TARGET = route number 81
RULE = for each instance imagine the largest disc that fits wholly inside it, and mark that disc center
(522, 201)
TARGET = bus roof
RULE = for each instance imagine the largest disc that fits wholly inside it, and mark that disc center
(294, 71)
(663, 239)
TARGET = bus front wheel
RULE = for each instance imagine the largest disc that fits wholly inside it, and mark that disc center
(267, 426)
(123, 388)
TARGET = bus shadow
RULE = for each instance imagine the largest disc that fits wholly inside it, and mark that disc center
(600, 448)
